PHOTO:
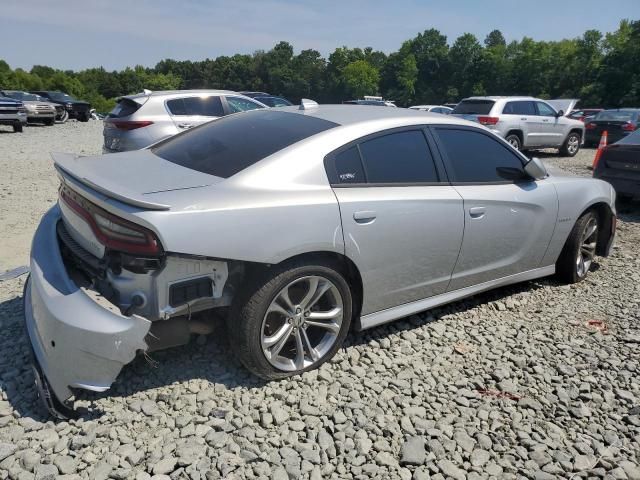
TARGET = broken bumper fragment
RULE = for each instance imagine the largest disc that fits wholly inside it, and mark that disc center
(79, 339)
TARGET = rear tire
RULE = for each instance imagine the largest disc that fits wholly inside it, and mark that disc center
(48, 122)
(571, 145)
(17, 127)
(579, 250)
(514, 141)
(271, 318)
(84, 117)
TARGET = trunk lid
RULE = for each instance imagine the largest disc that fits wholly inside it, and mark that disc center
(622, 157)
(135, 178)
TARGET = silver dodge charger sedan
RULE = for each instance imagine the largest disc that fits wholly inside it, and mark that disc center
(305, 222)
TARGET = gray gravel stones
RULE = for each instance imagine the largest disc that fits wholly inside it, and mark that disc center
(534, 394)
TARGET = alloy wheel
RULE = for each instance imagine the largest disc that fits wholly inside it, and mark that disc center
(573, 144)
(587, 249)
(302, 323)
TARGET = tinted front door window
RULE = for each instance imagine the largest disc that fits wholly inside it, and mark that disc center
(545, 110)
(402, 157)
(475, 157)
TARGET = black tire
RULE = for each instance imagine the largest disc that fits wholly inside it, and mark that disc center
(571, 145)
(567, 266)
(64, 116)
(84, 117)
(514, 141)
(49, 121)
(245, 322)
(17, 127)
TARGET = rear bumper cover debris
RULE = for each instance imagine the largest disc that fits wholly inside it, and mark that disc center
(79, 339)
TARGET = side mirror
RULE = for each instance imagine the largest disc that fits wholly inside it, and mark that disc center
(560, 113)
(535, 169)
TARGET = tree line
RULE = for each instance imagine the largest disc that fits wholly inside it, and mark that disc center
(601, 70)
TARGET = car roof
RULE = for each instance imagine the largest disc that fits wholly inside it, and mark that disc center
(497, 97)
(168, 93)
(348, 114)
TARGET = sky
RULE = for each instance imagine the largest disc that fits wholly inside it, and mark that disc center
(77, 34)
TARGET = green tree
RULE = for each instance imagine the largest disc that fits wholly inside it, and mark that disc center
(360, 78)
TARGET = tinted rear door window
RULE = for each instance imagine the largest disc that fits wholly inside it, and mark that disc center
(474, 107)
(348, 167)
(402, 157)
(199, 106)
(231, 144)
(519, 108)
(476, 157)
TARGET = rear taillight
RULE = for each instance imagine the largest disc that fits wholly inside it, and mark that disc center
(488, 120)
(129, 124)
(590, 126)
(112, 231)
(629, 127)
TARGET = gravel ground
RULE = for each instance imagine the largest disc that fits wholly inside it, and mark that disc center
(538, 381)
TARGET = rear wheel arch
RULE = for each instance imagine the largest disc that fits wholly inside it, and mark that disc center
(257, 272)
(517, 133)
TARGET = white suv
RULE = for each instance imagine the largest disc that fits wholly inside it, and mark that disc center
(527, 122)
(140, 120)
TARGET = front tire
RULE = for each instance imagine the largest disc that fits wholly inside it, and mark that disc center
(17, 127)
(579, 250)
(292, 320)
(571, 145)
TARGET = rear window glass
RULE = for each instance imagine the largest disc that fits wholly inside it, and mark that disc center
(124, 108)
(226, 146)
(631, 139)
(474, 107)
(615, 116)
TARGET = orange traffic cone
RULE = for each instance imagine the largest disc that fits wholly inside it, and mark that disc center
(601, 147)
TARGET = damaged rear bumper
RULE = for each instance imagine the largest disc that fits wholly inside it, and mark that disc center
(79, 339)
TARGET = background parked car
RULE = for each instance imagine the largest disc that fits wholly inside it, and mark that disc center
(376, 103)
(38, 111)
(433, 108)
(145, 118)
(75, 108)
(584, 114)
(526, 122)
(13, 113)
(267, 99)
(618, 124)
(619, 164)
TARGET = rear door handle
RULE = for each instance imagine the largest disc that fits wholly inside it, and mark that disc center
(364, 216)
(477, 212)
(185, 125)
(524, 119)
(545, 119)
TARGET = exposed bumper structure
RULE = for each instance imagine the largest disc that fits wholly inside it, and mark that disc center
(79, 339)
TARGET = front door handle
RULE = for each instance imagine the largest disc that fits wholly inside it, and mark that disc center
(477, 212)
(524, 119)
(364, 217)
(185, 125)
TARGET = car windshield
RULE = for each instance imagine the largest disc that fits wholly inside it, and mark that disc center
(473, 107)
(226, 146)
(22, 96)
(62, 97)
(615, 116)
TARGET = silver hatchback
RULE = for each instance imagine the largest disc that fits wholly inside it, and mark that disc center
(143, 119)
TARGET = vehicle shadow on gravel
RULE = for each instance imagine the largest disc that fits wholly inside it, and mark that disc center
(205, 364)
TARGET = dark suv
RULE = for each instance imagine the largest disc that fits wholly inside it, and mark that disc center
(75, 108)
